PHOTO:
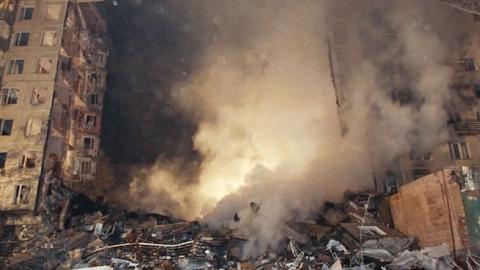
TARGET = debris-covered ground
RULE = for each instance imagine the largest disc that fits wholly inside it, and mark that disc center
(76, 233)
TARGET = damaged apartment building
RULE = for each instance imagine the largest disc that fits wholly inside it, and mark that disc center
(434, 195)
(463, 147)
(54, 79)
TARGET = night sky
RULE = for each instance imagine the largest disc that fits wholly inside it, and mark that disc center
(154, 46)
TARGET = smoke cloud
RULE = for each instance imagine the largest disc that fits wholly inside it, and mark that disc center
(264, 105)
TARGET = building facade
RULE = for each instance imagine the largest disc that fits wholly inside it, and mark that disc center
(51, 98)
(463, 145)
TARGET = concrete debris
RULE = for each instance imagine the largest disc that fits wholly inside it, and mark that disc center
(337, 247)
(292, 234)
(422, 259)
(76, 233)
(385, 249)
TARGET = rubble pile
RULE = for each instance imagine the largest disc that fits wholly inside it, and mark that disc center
(76, 233)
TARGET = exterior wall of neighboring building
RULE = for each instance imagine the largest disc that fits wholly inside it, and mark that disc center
(463, 147)
(53, 93)
(464, 125)
(24, 147)
(431, 209)
(411, 167)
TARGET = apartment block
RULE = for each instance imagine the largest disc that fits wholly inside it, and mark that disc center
(463, 125)
(51, 98)
(463, 146)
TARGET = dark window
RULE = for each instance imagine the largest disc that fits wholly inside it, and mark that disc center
(9, 96)
(21, 39)
(28, 160)
(420, 156)
(403, 96)
(459, 150)
(86, 167)
(91, 121)
(455, 117)
(3, 159)
(469, 64)
(66, 65)
(390, 181)
(15, 66)
(21, 194)
(93, 100)
(476, 88)
(88, 143)
(93, 78)
(6, 127)
(26, 13)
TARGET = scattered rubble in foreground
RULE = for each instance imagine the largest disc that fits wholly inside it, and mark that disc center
(76, 233)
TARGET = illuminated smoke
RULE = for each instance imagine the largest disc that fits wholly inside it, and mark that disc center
(268, 125)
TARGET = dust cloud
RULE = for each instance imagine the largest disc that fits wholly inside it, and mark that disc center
(268, 126)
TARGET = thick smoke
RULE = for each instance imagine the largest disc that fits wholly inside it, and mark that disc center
(411, 47)
(268, 128)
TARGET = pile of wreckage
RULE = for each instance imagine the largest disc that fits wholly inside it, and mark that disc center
(76, 233)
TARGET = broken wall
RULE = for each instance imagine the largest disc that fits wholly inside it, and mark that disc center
(431, 209)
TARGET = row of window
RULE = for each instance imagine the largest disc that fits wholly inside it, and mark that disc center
(458, 151)
(22, 39)
(52, 12)
(10, 96)
(17, 66)
(27, 161)
(34, 125)
(420, 156)
(457, 117)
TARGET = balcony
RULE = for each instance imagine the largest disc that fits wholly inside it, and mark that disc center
(466, 127)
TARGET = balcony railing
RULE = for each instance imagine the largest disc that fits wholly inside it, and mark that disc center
(466, 127)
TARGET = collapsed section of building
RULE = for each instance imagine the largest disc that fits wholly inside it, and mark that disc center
(357, 233)
(52, 92)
